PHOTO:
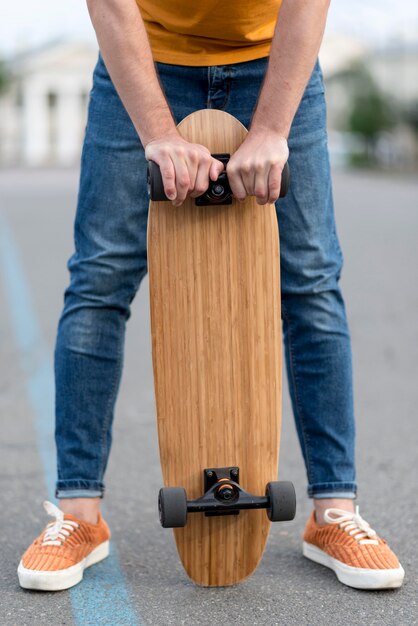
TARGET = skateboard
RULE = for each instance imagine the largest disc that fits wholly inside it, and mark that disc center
(214, 276)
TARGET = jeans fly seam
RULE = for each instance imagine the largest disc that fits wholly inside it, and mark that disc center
(209, 90)
(228, 81)
(228, 88)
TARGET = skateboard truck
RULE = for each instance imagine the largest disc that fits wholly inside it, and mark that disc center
(218, 192)
(223, 495)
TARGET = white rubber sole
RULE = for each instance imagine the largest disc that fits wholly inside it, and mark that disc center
(357, 577)
(64, 578)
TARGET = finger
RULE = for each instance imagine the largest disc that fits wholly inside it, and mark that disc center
(192, 163)
(261, 182)
(248, 178)
(202, 178)
(274, 183)
(215, 169)
(182, 179)
(168, 176)
(235, 182)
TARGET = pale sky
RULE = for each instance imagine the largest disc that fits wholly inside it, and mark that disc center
(27, 23)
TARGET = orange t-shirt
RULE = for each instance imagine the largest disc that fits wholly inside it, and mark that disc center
(209, 32)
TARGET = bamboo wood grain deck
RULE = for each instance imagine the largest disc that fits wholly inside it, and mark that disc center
(216, 343)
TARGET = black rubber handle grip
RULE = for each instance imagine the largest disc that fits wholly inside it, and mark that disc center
(156, 187)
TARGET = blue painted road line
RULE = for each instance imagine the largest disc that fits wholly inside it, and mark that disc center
(102, 598)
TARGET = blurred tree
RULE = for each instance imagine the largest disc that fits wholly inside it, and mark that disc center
(411, 117)
(370, 113)
(4, 77)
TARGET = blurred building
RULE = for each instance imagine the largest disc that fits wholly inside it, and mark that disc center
(339, 52)
(43, 112)
(394, 70)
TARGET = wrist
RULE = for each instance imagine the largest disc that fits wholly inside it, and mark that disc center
(280, 129)
(169, 134)
(262, 131)
(154, 125)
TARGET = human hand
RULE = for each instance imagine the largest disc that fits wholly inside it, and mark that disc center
(255, 169)
(185, 167)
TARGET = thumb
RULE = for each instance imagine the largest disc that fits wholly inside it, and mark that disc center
(215, 169)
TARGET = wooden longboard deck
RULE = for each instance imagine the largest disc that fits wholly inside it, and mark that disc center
(216, 343)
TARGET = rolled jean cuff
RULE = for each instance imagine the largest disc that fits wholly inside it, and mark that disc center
(332, 490)
(79, 489)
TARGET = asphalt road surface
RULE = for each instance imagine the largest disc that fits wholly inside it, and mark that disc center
(142, 582)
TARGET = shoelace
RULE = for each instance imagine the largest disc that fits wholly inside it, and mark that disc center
(57, 532)
(353, 524)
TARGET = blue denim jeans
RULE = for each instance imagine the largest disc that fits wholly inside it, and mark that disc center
(110, 261)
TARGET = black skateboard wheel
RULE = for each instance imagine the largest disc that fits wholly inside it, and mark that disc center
(282, 497)
(172, 506)
(156, 188)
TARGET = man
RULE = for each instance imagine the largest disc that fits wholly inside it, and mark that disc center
(258, 62)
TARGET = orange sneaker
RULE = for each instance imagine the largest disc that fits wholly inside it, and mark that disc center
(57, 558)
(347, 545)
